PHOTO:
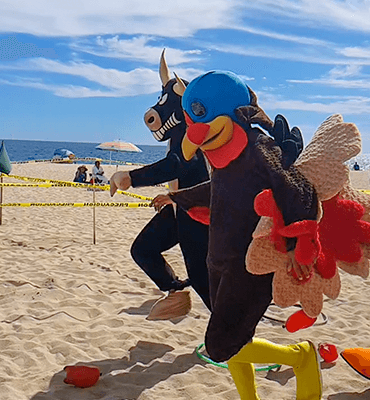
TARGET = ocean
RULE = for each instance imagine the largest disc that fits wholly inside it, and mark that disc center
(27, 150)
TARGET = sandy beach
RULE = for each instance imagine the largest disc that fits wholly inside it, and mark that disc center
(65, 301)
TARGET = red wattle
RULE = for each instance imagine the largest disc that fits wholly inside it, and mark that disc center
(200, 214)
(197, 133)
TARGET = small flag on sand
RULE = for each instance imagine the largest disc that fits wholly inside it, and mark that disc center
(5, 165)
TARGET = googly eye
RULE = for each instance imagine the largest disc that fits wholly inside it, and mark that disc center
(198, 109)
(163, 99)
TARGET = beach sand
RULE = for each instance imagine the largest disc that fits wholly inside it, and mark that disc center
(65, 301)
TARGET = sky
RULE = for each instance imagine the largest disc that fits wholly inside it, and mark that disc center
(87, 70)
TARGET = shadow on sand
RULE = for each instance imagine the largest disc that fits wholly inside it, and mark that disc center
(124, 378)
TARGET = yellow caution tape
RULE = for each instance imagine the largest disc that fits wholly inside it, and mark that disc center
(61, 183)
(31, 185)
(136, 196)
(97, 204)
(48, 160)
(57, 183)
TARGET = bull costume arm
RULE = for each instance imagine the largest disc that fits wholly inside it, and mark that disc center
(189, 173)
(162, 171)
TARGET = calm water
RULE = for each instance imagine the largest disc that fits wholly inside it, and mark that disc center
(26, 150)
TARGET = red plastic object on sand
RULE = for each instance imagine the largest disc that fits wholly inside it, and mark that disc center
(328, 352)
(299, 320)
(81, 376)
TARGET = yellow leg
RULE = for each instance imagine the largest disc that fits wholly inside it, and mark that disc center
(301, 356)
(243, 376)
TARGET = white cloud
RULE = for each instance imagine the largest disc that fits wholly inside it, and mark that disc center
(284, 37)
(144, 80)
(343, 14)
(346, 71)
(163, 18)
(346, 106)
(338, 83)
(114, 83)
(313, 55)
(179, 18)
(356, 52)
(186, 73)
(69, 91)
(137, 49)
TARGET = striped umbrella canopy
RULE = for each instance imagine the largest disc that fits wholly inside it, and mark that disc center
(118, 145)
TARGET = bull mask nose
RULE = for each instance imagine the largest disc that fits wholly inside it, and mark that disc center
(152, 120)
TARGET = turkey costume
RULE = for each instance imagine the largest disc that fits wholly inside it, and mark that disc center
(304, 208)
(245, 162)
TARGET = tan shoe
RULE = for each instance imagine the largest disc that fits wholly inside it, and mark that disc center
(174, 305)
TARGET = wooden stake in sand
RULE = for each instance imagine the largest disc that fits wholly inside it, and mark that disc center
(94, 230)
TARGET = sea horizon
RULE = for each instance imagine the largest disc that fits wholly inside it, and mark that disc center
(23, 150)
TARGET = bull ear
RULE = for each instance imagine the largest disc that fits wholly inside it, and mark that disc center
(164, 72)
(179, 87)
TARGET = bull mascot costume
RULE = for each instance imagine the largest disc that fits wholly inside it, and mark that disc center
(170, 226)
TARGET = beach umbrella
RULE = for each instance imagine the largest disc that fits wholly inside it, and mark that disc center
(63, 153)
(118, 146)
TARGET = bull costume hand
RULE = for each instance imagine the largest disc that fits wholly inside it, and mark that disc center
(160, 201)
(119, 180)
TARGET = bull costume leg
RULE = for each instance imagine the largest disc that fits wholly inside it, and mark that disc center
(159, 235)
(194, 247)
(149, 245)
(179, 229)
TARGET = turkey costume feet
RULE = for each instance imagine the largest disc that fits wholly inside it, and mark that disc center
(301, 356)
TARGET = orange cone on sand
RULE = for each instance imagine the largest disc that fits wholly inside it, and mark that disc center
(359, 359)
(81, 376)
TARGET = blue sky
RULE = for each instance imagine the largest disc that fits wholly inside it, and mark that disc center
(87, 71)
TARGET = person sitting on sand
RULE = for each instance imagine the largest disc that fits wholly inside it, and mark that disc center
(98, 173)
(81, 174)
(356, 167)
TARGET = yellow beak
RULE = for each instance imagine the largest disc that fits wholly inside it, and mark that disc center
(220, 132)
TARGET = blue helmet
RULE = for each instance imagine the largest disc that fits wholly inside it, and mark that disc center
(213, 94)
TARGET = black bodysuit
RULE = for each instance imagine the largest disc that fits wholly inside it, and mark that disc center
(238, 298)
